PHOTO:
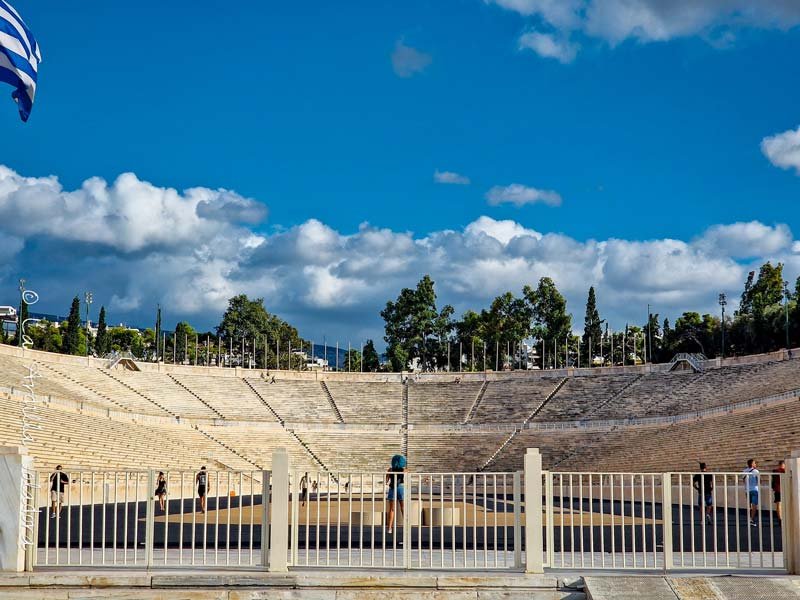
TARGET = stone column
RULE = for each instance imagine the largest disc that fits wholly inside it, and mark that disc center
(14, 460)
(534, 546)
(279, 525)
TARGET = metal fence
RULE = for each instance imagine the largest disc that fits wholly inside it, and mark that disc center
(422, 521)
(151, 518)
(663, 521)
(530, 519)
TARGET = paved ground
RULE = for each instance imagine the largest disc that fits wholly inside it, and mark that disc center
(691, 588)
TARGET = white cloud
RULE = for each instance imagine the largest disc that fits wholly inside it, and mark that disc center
(614, 21)
(745, 240)
(334, 283)
(549, 46)
(520, 195)
(449, 177)
(783, 149)
(408, 61)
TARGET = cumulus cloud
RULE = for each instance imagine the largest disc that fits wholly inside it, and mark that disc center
(334, 283)
(519, 195)
(549, 46)
(449, 177)
(614, 21)
(783, 149)
(408, 61)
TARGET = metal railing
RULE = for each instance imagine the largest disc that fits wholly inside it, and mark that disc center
(137, 519)
(663, 521)
(437, 521)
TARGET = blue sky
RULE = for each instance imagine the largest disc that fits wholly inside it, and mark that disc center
(635, 138)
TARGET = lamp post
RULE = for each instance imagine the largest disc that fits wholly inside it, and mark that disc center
(88, 299)
(649, 335)
(19, 315)
(786, 310)
(723, 301)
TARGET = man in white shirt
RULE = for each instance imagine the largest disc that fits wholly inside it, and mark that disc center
(750, 478)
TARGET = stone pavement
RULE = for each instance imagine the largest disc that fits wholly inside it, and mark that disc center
(620, 587)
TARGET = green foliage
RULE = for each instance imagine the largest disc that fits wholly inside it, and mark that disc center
(352, 360)
(592, 325)
(372, 361)
(122, 339)
(551, 321)
(415, 328)
(102, 345)
(72, 332)
(184, 341)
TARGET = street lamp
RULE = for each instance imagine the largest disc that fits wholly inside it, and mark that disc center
(88, 299)
(19, 315)
(723, 301)
(786, 310)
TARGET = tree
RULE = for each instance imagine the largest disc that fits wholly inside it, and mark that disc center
(372, 361)
(72, 332)
(352, 360)
(415, 328)
(505, 324)
(102, 344)
(184, 340)
(22, 315)
(591, 326)
(122, 339)
(552, 322)
(45, 336)
(248, 320)
(470, 334)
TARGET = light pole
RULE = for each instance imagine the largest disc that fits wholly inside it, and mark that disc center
(649, 335)
(88, 299)
(786, 310)
(19, 314)
(723, 301)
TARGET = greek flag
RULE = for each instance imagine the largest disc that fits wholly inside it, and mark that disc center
(19, 58)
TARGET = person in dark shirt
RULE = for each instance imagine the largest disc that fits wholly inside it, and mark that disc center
(395, 478)
(161, 490)
(202, 485)
(776, 488)
(704, 484)
(58, 479)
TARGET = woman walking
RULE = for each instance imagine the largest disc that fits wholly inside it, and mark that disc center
(395, 478)
(161, 490)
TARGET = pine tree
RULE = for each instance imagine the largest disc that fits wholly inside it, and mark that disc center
(22, 315)
(102, 345)
(72, 338)
(371, 360)
(592, 331)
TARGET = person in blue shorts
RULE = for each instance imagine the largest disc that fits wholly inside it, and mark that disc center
(750, 476)
(395, 478)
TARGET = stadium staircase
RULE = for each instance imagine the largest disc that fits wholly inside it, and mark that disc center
(211, 408)
(622, 390)
(85, 387)
(331, 401)
(264, 402)
(516, 431)
(476, 403)
(310, 452)
(228, 448)
(135, 391)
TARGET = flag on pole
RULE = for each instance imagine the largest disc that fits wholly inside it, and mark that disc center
(19, 58)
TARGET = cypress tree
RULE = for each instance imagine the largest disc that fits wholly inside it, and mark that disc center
(591, 325)
(102, 345)
(21, 316)
(72, 338)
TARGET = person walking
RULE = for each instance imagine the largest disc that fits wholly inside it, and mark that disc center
(303, 489)
(58, 479)
(704, 484)
(161, 490)
(202, 486)
(395, 478)
(750, 477)
(776, 488)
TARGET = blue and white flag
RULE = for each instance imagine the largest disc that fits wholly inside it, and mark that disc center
(19, 58)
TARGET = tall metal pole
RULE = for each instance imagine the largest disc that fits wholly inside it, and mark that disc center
(786, 309)
(88, 298)
(722, 302)
(649, 335)
(19, 315)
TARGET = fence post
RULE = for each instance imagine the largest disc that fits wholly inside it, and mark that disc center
(265, 524)
(534, 548)
(517, 520)
(791, 514)
(666, 518)
(14, 464)
(279, 522)
(149, 521)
